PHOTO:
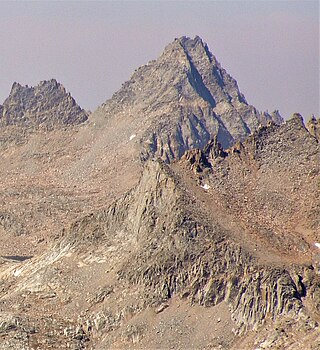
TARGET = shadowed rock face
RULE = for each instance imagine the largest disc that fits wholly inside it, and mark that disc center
(46, 105)
(180, 100)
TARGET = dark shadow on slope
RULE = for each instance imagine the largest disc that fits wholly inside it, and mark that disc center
(197, 83)
(17, 257)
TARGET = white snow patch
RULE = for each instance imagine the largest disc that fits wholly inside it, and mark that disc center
(205, 186)
(17, 272)
(317, 245)
(132, 137)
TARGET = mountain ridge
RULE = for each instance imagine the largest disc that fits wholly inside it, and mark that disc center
(172, 239)
(175, 216)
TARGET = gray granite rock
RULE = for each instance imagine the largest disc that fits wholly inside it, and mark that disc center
(45, 106)
(179, 101)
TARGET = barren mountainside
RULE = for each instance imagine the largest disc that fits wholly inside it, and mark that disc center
(51, 157)
(176, 216)
(172, 240)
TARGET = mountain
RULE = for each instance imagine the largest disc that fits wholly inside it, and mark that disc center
(46, 105)
(180, 100)
(168, 106)
(37, 125)
(174, 216)
(221, 243)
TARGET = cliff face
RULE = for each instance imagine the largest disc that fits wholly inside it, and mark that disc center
(46, 105)
(182, 250)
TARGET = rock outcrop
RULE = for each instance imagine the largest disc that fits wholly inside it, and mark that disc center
(270, 182)
(235, 240)
(313, 126)
(44, 106)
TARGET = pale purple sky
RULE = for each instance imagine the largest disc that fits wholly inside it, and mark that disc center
(270, 47)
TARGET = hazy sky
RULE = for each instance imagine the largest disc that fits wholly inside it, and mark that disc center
(270, 47)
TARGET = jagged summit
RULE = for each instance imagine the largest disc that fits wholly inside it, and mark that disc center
(221, 86)
(180, 100)
(47, 105)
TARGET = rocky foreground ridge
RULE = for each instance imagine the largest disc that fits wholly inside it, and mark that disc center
(192, 232)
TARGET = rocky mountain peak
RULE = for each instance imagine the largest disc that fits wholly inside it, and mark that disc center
(192, 47)
(47, 105)
(45, 86)
(179, 101)
(297, 118)
(15, 87)
(204, 72)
